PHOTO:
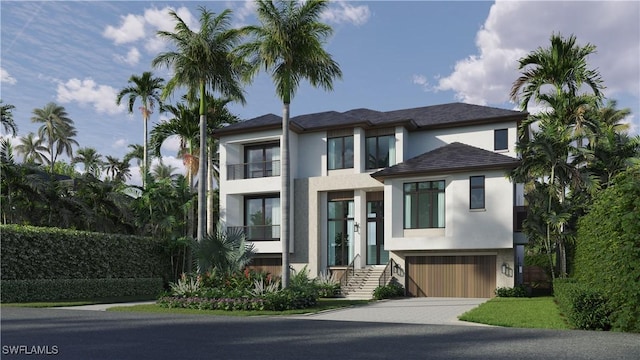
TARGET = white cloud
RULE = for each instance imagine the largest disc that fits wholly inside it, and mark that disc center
(101, 97)
(131, 29)
(421, 80)
(612, 26)
(132, 58)
(344, 12)
(241, 13)
(5, 77)
(120, 143)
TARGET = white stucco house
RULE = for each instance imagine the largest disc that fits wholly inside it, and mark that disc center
(424, 188)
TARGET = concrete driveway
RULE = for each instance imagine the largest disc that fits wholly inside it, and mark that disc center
(432, 311)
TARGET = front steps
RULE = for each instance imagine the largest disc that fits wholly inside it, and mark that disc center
(362, 283)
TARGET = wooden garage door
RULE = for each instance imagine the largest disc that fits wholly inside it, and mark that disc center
(451, 276)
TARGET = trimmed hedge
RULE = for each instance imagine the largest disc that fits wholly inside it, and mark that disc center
(608, 249)
(584, 308)
(49, 253)
(77, 289)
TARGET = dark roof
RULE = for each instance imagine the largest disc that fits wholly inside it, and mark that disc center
(454, 157)
(427, 117)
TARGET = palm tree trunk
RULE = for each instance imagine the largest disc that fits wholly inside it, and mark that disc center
(284, 195)
(202, 169)
(210, 192)
(144, 148)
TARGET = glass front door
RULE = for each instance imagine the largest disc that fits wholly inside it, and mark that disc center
(376, 254)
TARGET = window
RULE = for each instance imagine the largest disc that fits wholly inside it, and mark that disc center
(262, 217)
(500, 139)
(476, 192)
(262, 161)
(381, 151)
(340, 232)
(424, 205)
(340, 152)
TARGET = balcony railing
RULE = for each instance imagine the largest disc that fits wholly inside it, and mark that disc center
(253, 170)
(259, 232)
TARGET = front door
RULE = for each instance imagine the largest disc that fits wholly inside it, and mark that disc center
(376, 254)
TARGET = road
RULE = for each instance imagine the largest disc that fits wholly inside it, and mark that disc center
(94, 335)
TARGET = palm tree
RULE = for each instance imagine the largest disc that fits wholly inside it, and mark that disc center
(57, 130)
(203, 61)
(163, 171)
(552, 77)
(31, 149)
(91, 160)
(289, 44)
(7, 118)
(147, 89)
(117, 170)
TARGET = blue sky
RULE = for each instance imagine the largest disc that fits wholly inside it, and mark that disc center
(393, 55)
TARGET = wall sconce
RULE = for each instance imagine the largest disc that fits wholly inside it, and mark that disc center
(506, 270)
(356, 227)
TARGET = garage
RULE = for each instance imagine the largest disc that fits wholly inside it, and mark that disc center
(451, 276)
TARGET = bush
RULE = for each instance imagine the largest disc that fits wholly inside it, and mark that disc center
(49, 253)
(518, 291)
(392, 290)
(77, 289)
(608, 249)
(328, 286)
(584, 308)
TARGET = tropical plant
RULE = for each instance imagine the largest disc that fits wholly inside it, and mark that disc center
(31, 149)
(7, 121)
(163, 171)
(90, 159)
(203, 61)
(117, 170)
(288, 43)
(57, 130)
(225, 250)
(146, 88)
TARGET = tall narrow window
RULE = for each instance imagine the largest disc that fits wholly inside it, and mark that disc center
(262, 160)
(424, 205)
(340, 232)
(476, 192)
(340, 152)
(381, 151)
(501, 139)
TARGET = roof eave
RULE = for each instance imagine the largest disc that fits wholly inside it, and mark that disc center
(444, 171)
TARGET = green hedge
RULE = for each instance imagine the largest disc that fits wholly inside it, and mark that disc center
(49, 253)
(584, 307)
(77, 289)
(608, 249)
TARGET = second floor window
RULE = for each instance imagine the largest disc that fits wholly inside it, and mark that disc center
(262, 160)
(424, 205)
(380, 151)
(501, 139)
(340, 152)
(476, 192)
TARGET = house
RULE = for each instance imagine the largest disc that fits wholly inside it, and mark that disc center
(424, 187)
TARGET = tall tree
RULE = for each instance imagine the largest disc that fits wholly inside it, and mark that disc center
(32, 149)
(146, 88)
(164, 171)
(117, 170)
(288, 43)
(203, 61)
(90, 159)
(7, 121)
(57, 130)
(559, 79)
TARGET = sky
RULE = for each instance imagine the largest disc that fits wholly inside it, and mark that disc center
(393, 55)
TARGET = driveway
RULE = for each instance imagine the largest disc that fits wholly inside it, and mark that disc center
(426, 311)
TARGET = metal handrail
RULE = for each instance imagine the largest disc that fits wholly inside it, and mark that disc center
(259, 232)
(387, 274)
(243, 170)
(344, 279)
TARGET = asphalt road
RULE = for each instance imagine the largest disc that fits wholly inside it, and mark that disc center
(88, 335)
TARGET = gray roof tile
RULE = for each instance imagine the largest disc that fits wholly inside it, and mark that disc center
(454, 157)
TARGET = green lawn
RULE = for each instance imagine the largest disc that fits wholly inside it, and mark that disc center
(323, 304)
(537, 312)
(80, 302)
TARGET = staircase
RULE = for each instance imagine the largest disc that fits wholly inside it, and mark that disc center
(362, 283)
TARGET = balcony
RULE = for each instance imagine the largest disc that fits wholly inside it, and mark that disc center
(253, 170)
(259, 232)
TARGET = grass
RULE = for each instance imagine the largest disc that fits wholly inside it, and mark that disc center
(537, 312)
(45, 304)
(323, 304)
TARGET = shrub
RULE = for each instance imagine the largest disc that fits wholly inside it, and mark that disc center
(608, 249)
(584, 308)
(518, 291)
(186, 286)
(77, 289)
(327, 285)
(392, 290)
(49, 253)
